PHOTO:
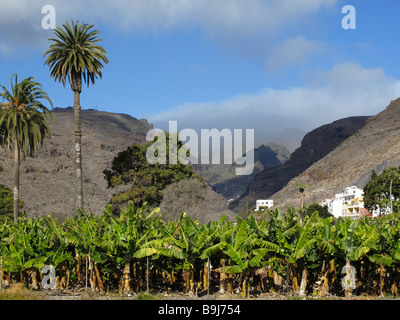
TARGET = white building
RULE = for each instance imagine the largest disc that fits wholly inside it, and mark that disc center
(381, 211)
(264, 203)
(347, 204)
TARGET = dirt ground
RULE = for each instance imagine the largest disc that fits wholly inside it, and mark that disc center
(20, 292)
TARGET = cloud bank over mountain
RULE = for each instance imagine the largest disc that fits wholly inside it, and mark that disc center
(344, 90)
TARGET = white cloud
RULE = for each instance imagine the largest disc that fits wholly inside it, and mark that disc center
(21, 20)
(216, 16)
(292, 52)
(21, 25)
(348, 89)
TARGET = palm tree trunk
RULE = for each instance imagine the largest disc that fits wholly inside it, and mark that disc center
(382, 273)
(147, 275)
(391, 200)
(322, 285)
(78, 266)
(295, 281)
(126, 278)
(1, 272)
(303, 284)
(191, 282)
(206, 276)
(33, 276)
(245, 285)
(78, 152)
(278, 281)
(98, 278)
(16, 179)
(348, 289)
(185, 275)
(222, 279)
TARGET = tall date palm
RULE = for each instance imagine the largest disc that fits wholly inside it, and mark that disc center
(23, 122)
(75, 54)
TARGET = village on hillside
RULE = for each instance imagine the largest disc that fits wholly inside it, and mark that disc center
(347, 204)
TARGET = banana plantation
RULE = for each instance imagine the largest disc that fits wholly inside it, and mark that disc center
(137, 251)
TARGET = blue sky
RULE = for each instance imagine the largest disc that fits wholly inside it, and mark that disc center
(268, 65)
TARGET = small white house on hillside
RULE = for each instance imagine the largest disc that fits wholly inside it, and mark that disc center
(264, 204)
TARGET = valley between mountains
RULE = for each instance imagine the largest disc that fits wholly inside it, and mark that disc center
(330, 157)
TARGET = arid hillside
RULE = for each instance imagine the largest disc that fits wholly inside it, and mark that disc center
(47, 180)
(376, 146)
(223, 179)
(314, 146)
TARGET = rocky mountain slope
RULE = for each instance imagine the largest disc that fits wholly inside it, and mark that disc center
(314, 146)
(47, 180)
(375, 146)
(265, 156)
(195, 198)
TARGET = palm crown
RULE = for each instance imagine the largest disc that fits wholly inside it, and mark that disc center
(75, 54)
(23, 117)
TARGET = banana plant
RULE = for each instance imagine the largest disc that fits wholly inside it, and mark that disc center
(127, 239)
(83, 234)
(24, 251)
(324, 259)
(245, 251)
(297, 242)
(190, 239)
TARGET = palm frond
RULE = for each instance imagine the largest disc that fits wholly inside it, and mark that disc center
(75, 53)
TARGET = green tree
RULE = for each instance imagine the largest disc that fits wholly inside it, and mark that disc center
(74, 54)
(322, 210)
(23, 119)
(383, 190)
(147, 181)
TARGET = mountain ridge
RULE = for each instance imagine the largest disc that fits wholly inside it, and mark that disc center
(375, 146)
(265, 156)
(314, 146)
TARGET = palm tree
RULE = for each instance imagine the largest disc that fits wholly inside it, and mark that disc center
(73, 55)
(301, 187)
(23, 119)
